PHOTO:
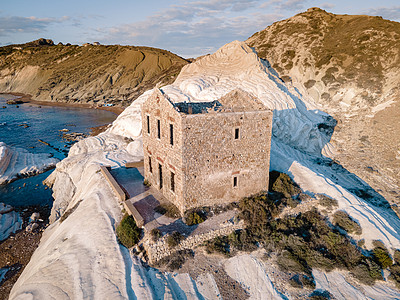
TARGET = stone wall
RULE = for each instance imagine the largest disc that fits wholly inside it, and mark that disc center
(160, 249)
(113, 183)
(160, 151)
(212, 157)
(210, 164)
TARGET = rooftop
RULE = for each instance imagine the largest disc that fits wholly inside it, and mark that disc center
(235, 101)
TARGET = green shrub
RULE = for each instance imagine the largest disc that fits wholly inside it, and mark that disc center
(127, 232)
(174, 239)
(396, 256)
(344, 221)
(155, 234)
(175, 261)
(395, 274)
(381, 255)
(282, 183)
(367, 272)
(194, 218)
(294, 281)
(169, 210)
(146, 183)
(219, 245)
(301, 280)
(320, 295)
(327, 202)
(289, 262)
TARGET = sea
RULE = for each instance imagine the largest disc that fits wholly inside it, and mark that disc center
(25, 125)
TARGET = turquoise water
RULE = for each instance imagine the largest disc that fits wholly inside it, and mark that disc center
(43, 123)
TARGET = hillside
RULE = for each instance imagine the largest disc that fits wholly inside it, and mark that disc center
(79, 256)
(93, 74)
(350, 66)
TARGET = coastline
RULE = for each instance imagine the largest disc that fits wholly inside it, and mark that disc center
(26, 98)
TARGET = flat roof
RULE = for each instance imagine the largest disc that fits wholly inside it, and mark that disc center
(234, 101)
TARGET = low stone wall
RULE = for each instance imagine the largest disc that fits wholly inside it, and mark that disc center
(114, 184)
(131, 209)
(157, 251)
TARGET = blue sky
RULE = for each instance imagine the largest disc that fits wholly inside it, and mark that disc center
(186, 27)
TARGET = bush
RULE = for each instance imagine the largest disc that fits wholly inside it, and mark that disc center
(169, 210)
(175, 261)
(344, 221)
(289, 262)
(194, 218)
(174, 239)
(146, 183)
(219, 245)
(320, 295)
(155, 234)
(396, 256)
(327, 202)
(395, 274)
(127, 232)
(282, 183)
(381, 255)
(367, 272)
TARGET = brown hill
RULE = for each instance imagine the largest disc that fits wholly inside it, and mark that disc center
(92, 74)
(350, 66)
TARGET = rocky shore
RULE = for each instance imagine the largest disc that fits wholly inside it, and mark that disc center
(26, 98)
(16, 251)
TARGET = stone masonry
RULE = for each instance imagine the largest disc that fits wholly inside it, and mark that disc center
(202, 154)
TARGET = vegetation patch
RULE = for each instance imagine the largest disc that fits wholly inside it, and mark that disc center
(127, 232)
(320, 295)
(327, 202)
(344, 221)
(194, 218)
(282, 183)
(309, 83)
(174, 239)
(301, 242)
(381, 255)
(155, 234)
(175, 261)
(169, 210)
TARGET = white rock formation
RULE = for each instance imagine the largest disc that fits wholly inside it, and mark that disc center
(18, 161)
(10, 221)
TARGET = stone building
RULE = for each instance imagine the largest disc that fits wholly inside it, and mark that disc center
(206, 153)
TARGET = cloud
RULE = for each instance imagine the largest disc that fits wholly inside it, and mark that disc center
(327, 5)
(391, 13)
(290, 4)
(15, 24)
(194, 28)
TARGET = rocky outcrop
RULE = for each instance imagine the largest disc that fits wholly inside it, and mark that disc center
(94, 74)
(349, 65)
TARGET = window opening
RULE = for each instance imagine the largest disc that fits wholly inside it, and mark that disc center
(148, 124)
(236, 133)
(159, 129)
(235, 181)
(171, 134)
(150, 165)
(160, 175)
(172, 181)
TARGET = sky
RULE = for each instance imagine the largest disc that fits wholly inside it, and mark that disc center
(189, 28)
